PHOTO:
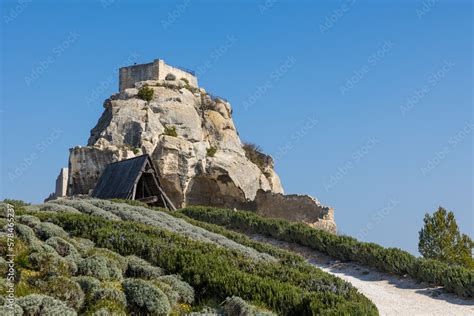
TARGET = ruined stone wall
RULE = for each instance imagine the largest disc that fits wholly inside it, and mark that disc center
(189, 175)
(61, 183)
(164, 69)
(129, 75)
(157, 70)
(295, 208)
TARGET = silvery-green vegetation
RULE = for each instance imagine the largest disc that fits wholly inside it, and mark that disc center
(63, 275)
(97, 257)
(454, 278)
(121, 211)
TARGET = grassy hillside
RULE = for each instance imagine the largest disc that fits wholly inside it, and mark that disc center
(456, 279)
(96, 257)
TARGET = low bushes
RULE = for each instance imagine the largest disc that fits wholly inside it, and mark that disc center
(74, 277)
(284, 256)
(110, 210)
(100, 268)
(254, 154)
(392, 260)
(146, 298)
(36, 304)
(64, 289)
(84, 207)
(146, 93)
(139, 268)
(216, 272)
(109, 294)
(184, 290)
(236, 306)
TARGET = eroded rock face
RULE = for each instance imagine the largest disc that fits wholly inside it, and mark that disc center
(190, 175)
(86, 164)
(130, 126)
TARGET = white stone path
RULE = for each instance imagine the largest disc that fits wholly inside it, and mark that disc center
(391, 294)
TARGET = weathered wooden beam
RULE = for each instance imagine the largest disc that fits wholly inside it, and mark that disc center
(149, 199)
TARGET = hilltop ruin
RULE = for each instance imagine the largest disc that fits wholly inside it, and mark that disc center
(193, 144)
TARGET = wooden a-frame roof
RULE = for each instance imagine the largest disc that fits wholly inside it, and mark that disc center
(132, 179)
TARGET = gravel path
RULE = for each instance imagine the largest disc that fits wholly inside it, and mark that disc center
(391, 294)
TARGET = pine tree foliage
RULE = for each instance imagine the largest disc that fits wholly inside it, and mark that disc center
(441, 239)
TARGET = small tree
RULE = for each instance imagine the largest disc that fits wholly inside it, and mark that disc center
(440, 239)
(146, 93)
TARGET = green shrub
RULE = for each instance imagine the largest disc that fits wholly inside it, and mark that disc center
(139, 268)
(236, 306)
(85, 207)
(191, 88)
(100, 268)
(106, 308)
(170, 77)
(4, 266)
(25, 233)
(109, 294)
(392, 260)
(184, 290)
(47, 230)
(211, 151)
(459, 280)
(119, 260)
(254, 154)
(6, 310)
(28, 220)
(172, 295)
(130, 202)
(216, 272)
(87, 283)
(64, 289)
(37, 304)
(82, 245)
(54, 207)
(171, 131)
(283, 255)
(63, 248)
(146, 93)
(16, 203)
(186, 81)
(50, 264)
(145, 297)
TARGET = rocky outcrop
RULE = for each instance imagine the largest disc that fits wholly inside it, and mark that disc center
(192, 140)
(130, 126)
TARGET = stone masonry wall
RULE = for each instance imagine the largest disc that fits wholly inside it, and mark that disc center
(157, 70)
(295, 208)
(129, 75)
(61, 183)
(164, 69)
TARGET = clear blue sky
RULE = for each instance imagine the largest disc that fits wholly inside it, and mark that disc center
(366, 106)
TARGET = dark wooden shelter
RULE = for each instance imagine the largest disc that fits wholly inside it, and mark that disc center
(132, 179)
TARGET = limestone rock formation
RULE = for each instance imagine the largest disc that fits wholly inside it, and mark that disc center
(130, 126)
(192, 140)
